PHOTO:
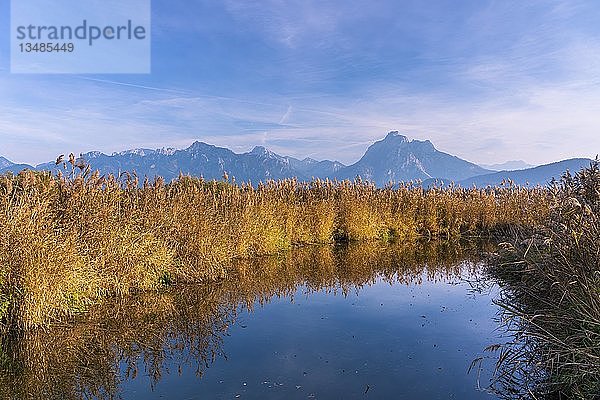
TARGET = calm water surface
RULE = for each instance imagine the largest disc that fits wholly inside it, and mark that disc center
(366, 321)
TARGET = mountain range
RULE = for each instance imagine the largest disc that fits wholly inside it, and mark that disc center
(392, 159)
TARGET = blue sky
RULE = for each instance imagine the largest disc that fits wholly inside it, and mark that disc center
(489, 81)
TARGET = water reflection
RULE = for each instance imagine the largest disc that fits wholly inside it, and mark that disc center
(185, 328)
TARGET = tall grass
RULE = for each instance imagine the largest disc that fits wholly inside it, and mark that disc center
(552, 301)
(69, 242)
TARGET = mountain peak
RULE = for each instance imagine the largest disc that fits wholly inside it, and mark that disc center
(197, 145)
(425, 145)
(259, 150)
(166, 151)
(5, 163)
(96, 154)
(135, 152)
(396, 158)
(396, 137)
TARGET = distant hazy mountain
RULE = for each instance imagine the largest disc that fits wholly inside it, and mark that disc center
(15, 168)
(211, 162)
(312, 168)
(9, 166)
(508, 166)
(533, 176)
(4, 163)
(396, 159)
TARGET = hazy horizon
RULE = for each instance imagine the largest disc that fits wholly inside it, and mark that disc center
(486, 81)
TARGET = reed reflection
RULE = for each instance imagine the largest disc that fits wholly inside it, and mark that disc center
(92, 356)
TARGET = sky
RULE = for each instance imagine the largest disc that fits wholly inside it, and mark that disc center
(488, 81)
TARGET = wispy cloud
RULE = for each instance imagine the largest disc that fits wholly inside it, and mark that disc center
(289, 22)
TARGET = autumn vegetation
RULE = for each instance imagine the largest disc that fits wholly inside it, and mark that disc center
(73, 241)
(551, 297)
(68, 242)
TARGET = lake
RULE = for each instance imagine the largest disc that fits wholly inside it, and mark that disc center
(359, 321)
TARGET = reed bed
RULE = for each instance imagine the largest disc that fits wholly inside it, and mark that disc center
(551, 299)
(69, 242)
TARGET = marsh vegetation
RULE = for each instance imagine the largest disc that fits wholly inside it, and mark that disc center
(551, 301)
(70, 244)
(67, 243)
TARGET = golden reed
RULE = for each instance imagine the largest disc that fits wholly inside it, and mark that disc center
(66, 243)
